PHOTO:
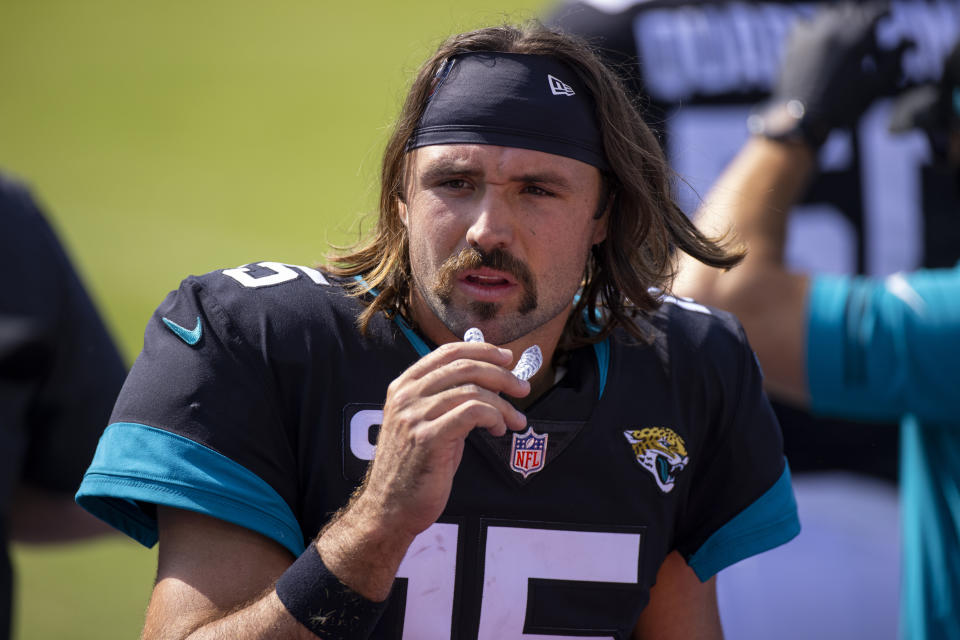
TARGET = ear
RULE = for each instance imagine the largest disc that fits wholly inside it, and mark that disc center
(600, 226)
(402, 211)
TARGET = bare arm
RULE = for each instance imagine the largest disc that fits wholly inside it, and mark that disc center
(753, 197)
(681, 607)
(216, 580)
(430, 410)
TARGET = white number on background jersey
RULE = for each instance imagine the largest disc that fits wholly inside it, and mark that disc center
(513, 556)
(281, 273)
(821, 239)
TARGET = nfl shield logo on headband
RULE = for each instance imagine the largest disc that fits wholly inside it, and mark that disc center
(559, 87)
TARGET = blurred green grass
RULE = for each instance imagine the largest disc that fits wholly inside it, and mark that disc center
(95, 590)
(173, 138)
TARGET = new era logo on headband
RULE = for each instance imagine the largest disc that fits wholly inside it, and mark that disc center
(559, 87)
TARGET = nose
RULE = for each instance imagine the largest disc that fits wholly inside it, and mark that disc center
(493, 223)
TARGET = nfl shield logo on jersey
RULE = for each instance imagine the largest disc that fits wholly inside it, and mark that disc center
(528, 452)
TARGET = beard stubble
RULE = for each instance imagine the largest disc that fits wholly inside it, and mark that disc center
(498, 259)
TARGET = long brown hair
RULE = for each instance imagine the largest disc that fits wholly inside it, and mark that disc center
(645, 227)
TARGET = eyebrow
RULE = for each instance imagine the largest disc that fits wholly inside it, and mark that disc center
(555, 180)
(442, 169)
(447, 168)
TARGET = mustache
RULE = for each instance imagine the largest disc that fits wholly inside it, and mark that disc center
(475, 258)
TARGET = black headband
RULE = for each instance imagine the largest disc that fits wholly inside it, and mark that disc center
(512, 100)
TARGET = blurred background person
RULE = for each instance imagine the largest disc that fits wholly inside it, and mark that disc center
(878, 203)
(60, 372)
(866, 348)
(174, 138)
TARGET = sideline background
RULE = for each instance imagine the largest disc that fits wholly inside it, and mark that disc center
(176, 138)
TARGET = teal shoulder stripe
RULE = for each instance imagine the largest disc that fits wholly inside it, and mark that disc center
(602, 349)
(373, 292)
(767, 523)
(416, 341)
(135, 463)
(418, 344)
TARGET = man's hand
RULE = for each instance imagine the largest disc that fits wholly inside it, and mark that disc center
(832, 70)
(430, 410)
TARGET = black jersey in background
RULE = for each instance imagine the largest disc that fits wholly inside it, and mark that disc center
(59, 369)
(878, 205)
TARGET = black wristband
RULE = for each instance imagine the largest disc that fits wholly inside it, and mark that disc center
(323, 604)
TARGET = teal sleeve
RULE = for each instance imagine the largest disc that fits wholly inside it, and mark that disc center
(137, 465)
(881, 348)
(768, 522)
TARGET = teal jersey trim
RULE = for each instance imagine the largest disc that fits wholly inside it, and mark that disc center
(886, 349)
(138, 463)
(602, 351)
(767, 523)
(418, 344)
(930, 520)
(879, 349)
(416, 341)
(373, 292)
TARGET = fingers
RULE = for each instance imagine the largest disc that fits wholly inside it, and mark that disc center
(528, 365)
(475, 414)
(444, 354)
(457, 387)
(529, 362)
(464, 407)
(467, 371)
(469, 389)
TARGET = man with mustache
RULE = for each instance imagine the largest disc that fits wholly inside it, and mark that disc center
(325, 453)
(497, 260)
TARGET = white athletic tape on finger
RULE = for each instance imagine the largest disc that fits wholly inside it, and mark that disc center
(473, 335)
(529, 363)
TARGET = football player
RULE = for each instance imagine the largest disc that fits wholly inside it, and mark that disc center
(60, 372)
(348, 452)
(866, 348)
(877, 203)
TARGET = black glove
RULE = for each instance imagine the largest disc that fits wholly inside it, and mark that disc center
(832, 70)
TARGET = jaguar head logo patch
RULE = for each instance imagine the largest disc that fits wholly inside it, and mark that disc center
(661, 452)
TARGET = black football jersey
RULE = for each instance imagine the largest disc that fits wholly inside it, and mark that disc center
(257, 401)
